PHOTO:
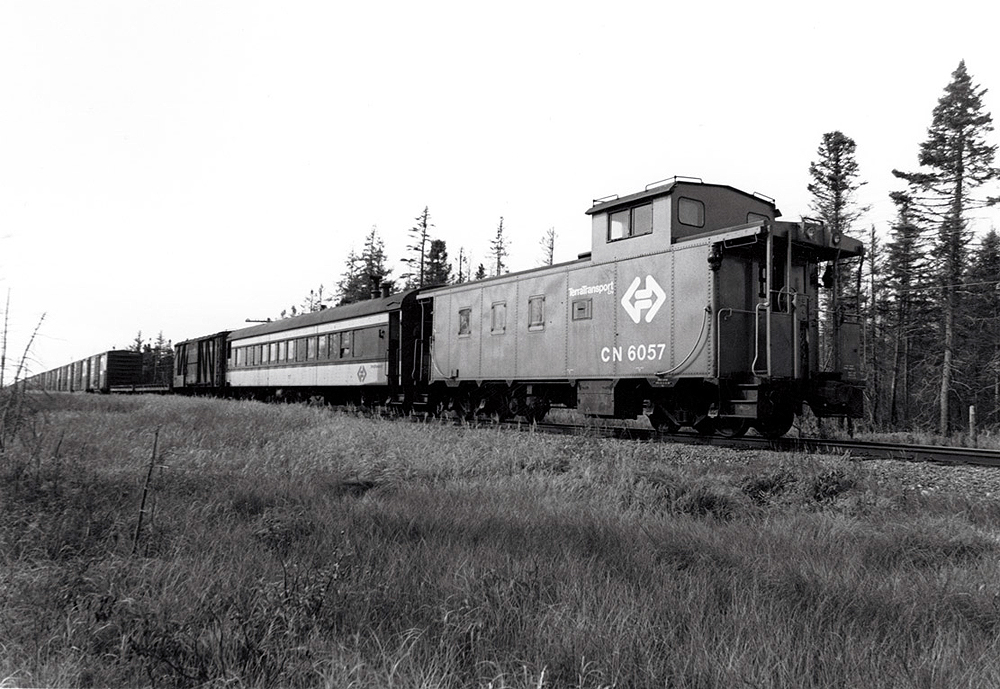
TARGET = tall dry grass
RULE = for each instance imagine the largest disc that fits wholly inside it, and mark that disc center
(289, 546)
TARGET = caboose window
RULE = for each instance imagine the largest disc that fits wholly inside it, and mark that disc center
(346, 338)
(691, 212)
(465, 321)
(499, 312)
(631, 222)
(536, 313)
(583, 309)
(618, 225)
(642, 219)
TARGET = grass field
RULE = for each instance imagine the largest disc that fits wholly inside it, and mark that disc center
(290, 546)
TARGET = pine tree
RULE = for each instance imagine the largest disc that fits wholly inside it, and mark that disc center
(907, 279)
(480, 272)
(981, 327)
(499, 248)
(416, 262)
(163, 360)
(956, 160)
(834, 188)
(438, 269)
(366, 273)
(137, 343)
(874, 318)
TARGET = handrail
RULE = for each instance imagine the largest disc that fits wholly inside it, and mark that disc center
(684, 361)
(673, 180)
(756, 336)
(718, 337)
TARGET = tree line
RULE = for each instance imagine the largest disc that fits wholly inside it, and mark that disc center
(926, 295)
(367, 274)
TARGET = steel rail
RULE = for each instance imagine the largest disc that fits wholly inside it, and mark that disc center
(941, 454)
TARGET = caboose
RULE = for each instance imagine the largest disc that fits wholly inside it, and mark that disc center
(695, 306)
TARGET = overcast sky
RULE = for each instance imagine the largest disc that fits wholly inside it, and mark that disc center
(183, 166)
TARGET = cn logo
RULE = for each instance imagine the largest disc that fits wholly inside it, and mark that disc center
(638, 300)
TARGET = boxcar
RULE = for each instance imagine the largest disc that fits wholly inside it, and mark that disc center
(97, 373)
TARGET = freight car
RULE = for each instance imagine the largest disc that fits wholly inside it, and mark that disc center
(98, 373)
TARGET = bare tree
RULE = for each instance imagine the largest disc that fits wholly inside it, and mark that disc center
(499, 249)
(548, 244)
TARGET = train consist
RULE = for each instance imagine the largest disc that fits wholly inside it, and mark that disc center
(695, 307)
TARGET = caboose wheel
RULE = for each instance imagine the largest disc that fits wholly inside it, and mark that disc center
(732, 428)
(777, 424)
(659, 420)
(706, 425)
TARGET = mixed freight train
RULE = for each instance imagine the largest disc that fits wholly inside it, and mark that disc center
(695, 306)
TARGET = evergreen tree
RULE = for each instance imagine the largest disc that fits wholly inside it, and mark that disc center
(956, 160)
(982, 328)
(366, 273)
(874, 321)
(499, 248)
(908, 277)
(137, 343)
(480, 272)
(834, 188)
(416, 262)
(162, 364)
(438, 269)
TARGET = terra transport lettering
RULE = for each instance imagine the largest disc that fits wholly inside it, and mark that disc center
(607, 288)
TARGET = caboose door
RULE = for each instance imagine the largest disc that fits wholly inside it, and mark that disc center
(786, 311)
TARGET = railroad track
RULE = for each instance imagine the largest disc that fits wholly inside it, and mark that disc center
(856, 448)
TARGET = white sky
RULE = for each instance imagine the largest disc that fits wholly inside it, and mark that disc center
(181, 166)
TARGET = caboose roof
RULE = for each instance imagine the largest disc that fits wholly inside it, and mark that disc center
(657, 190)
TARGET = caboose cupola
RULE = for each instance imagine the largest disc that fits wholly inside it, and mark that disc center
(668, 212)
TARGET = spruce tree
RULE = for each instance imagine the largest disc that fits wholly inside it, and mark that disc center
(981, 328)
(834, 189)
(365, 274)
(907, 279)
(438, 269)
(955, 161)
